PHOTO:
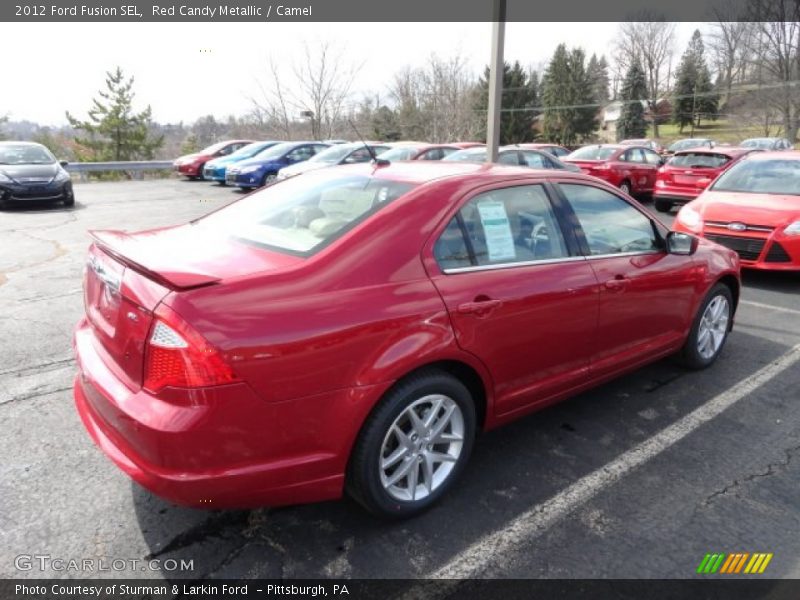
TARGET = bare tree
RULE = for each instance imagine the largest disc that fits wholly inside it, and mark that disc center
(729, 42)
(317, 88)
(650, 41)
(775, 50)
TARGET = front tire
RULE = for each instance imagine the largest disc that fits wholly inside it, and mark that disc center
(625, 186)
(268, 178)
(69, 198)
(413, 446)
(663, 206)
(710, 329)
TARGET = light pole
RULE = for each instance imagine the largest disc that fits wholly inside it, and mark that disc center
(496, 69)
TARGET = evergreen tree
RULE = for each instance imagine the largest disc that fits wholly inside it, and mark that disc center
(694, 91)
(385, 125)
(519, 98)
(570, 111)
(597, 70)
(114, 131)
(631, 123)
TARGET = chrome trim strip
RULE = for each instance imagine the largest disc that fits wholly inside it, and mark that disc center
(110, 279)
(722, 225)
(526, 263)
(641, 253)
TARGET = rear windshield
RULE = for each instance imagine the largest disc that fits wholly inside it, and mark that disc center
(761, 177)
(592, 153)
(301, 215)
(399, 153)
(470, 154)
(698, 160)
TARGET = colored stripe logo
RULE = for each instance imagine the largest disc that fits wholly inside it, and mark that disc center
(735, 563)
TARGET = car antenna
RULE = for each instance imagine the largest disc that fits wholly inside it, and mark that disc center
(379, 162)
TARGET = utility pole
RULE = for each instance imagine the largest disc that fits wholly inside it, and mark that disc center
(496, 70)
(694, 106)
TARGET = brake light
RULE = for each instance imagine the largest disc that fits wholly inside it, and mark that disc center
(177, 356)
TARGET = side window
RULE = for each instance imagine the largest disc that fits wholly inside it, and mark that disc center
(535, 160)
(448, 151)
(358, 156)
(509, 158)
(502, 226)
(625, 156)
(224, 151)
(610, 224)
(300, 154)
(652, 158)
(318, 148)
(432, 154)
(636, 155)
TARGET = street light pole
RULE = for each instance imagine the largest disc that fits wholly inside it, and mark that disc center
(496, 69)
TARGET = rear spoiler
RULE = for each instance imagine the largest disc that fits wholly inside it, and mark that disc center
(128, 250)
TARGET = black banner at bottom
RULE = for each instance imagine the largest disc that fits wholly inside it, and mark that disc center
(402, 589)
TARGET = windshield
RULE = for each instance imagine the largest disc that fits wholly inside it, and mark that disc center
(777, 176)
(698, 160)
(303, 214)
(400, 153)
(592, 153)
(690, 143)
(471, 154)
(251, 149)
(275, 151)
(332, 155)
(25, 154)
(213, 148)
(765, 143)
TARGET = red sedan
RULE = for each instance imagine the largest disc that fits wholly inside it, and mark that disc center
(352, 329)
(689, 172)
(191, 165)
(632, 169)
(754, 209)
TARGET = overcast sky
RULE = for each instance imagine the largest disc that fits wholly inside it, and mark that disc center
(187, 70)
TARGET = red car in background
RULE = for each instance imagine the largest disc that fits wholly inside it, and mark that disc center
(633, 169)
(352, 329)
(191, 165)
(753, 208)
(554, 149)
(424, 151)
(688, 172)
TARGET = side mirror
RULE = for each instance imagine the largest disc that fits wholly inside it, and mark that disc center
(63, 163)
(681, 243)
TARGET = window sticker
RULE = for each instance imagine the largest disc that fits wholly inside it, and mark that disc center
(499, 241)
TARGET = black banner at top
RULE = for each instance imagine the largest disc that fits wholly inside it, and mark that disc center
(393, 10)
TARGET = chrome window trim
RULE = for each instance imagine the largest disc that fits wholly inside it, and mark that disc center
(614, 255)
(512, 265)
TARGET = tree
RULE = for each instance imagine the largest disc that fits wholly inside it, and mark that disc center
(730, 45)
(519, 100)
(649, 42)
(114, 130)
(695, 97)
(597, 71)
(384, 125)
(570, 111)
(631, 123)
(775, 47)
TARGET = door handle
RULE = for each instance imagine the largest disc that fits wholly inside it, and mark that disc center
(479, 307)
(619, 283)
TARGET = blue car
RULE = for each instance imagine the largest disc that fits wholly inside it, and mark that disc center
(262, 169)
(214, 170)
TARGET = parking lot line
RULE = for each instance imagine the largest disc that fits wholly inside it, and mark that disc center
(770, 307)
(496, 548)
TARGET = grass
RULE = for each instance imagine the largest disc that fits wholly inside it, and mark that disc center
(723, 131)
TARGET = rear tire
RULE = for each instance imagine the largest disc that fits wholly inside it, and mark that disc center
(663, 206)
(401, 464)
(710, 329)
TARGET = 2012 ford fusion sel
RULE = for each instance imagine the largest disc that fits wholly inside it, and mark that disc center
(351, 330)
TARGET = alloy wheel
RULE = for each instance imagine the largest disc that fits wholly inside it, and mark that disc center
(713, 327)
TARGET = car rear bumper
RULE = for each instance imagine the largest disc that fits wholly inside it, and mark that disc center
(221, 447)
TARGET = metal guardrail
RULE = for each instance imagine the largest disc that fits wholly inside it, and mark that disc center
(142, 165)
(134, 169)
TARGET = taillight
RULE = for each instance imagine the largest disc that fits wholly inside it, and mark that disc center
(177, 356)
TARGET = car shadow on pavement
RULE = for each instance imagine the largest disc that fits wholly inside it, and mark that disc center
(38, 208)
(773, 281)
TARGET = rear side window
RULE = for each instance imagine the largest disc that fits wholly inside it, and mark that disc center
(698, 160)
(536, 160)
(610, 224)
(510, 225)
(301, 215)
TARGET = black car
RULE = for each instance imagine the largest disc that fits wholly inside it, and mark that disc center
(29, 172)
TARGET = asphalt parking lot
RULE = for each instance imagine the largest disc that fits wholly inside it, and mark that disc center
(639, 478)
